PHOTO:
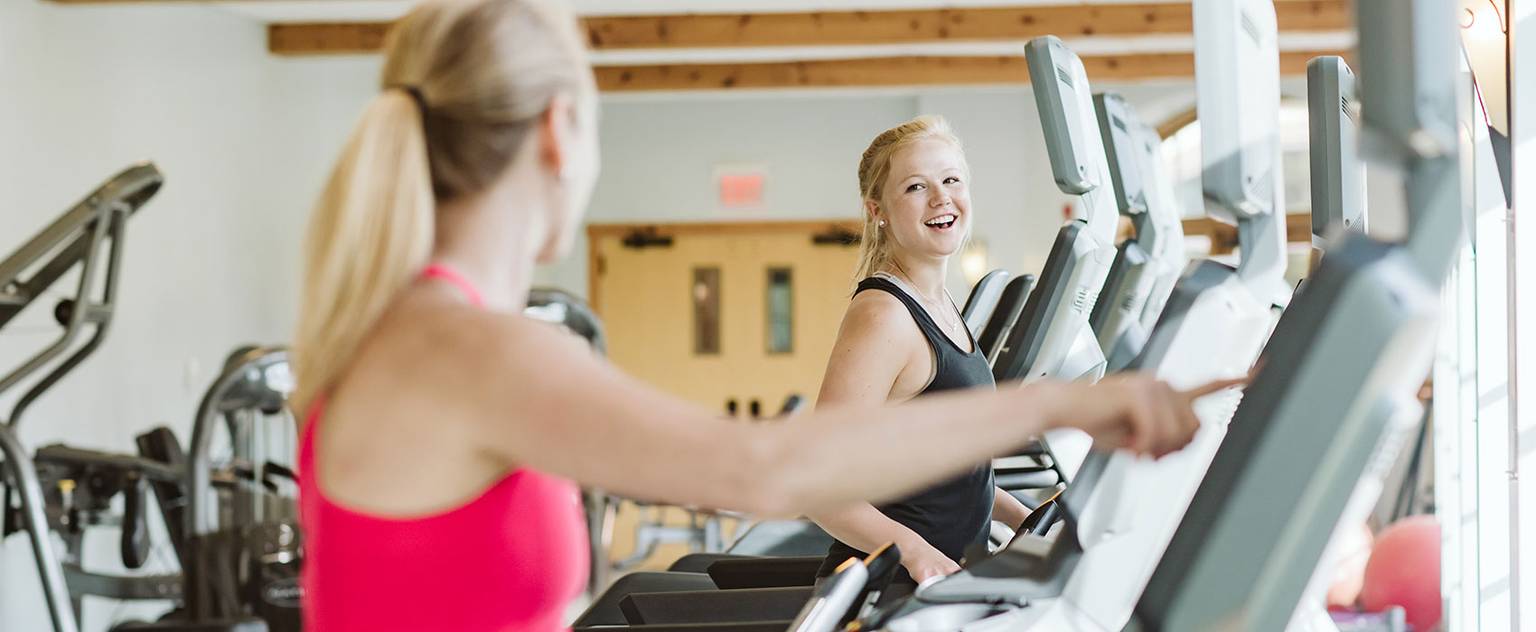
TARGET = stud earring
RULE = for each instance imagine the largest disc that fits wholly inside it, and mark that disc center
(882, 223)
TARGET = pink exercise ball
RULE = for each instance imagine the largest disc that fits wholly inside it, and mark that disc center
(1404, 570)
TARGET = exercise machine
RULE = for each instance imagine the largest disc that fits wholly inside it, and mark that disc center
(1214, 324)
(1146, 266)
(1335, 394)
(89, 236)
(1339, 384)
(1333, 132)
(983, 299)
(1010, 304)
(1046, 334)
(1052, 337)
(244, 550)
(783, 555)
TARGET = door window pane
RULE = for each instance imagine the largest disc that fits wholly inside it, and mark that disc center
(706, 310)
(781, 313)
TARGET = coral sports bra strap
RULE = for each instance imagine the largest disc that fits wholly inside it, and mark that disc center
(445, 273)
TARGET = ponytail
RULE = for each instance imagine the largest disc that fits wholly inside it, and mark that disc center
(463, 82)
(370, 234)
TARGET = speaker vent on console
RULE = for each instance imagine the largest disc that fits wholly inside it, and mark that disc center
(1262, 188)
(1064, 76)
(1082, 302)
(1251, 28)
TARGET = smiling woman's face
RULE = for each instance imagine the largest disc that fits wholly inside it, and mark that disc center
(926, 202)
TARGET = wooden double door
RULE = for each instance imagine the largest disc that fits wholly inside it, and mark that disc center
(736, 317)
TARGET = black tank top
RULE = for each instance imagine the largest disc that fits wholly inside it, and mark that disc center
(957, 513)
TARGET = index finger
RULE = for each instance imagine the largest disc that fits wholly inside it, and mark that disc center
(1215, 386)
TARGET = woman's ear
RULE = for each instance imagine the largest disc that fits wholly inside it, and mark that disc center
(554, 130)
(872, 208)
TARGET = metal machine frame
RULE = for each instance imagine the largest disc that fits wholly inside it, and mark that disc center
(89, 235)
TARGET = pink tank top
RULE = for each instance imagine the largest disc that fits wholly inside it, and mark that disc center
(511, 559)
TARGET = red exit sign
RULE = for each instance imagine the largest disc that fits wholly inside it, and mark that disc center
(740, 188)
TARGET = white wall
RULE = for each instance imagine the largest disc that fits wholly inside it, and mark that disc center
(86, 92)
(245, 140)
(659, 156)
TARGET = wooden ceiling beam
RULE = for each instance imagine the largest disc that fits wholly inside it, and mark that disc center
(1174, 123)
(901, 71)
(836, 28)
(1298, 229)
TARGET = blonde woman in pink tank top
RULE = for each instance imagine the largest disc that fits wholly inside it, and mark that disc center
(444, 432)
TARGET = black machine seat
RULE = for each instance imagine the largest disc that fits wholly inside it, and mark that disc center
(765, 572)
(605, 610)
(714, 606)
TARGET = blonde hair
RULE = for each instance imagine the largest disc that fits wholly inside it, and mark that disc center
(464, 83)
(875, 166)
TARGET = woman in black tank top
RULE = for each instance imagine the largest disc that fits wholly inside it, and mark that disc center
(903, 337)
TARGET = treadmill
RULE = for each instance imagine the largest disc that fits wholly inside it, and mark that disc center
(1216, 320)
(1146, 266)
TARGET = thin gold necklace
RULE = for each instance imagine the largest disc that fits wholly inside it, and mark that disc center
(950, 321)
